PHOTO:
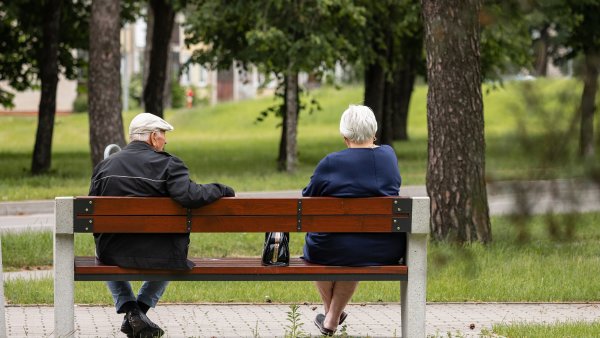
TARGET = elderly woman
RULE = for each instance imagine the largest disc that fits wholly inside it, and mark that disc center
(362, 170)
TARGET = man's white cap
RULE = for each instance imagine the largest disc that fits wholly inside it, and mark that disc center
(146, 123)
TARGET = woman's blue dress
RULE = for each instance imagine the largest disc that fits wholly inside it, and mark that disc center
(355, 172)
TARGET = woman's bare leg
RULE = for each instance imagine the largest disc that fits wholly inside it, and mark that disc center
(341, 295)
(326, 292)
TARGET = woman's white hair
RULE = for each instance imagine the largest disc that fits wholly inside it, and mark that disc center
(144, 137)
(358, 124)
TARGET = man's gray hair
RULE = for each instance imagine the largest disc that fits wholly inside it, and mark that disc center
(358, 124)
(144, 137)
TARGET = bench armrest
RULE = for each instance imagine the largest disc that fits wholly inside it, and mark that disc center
(420, 215)
(63, 212)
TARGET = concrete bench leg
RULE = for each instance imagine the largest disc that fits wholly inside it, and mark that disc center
(64, 271)
(413, 292)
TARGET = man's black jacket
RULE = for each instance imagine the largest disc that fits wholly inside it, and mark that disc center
(139, 170)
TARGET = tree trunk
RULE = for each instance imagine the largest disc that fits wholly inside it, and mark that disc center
(104, 86)
(48, 59)
(281, 158)
(147, 48)
(588, 104)
(385, 126)
(173, 67)
(374, 92)
(404, 83)
(159, 56)
(292, 106)
(456, 146)
(402, 87)
(540, 51)
(282, 141)
(167, 90)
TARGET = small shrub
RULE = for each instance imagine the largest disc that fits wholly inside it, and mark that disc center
(136, 91)
(80, 105)
(177, 94)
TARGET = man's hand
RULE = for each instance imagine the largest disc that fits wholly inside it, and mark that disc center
(228, 191)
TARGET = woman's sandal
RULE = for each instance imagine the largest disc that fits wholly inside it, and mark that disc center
(343, 317)
(319, 319)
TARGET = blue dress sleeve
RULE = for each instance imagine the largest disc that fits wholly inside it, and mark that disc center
(318, 181)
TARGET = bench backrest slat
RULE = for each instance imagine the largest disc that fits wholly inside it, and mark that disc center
(178, 224)
(242, 206)
(316, 214)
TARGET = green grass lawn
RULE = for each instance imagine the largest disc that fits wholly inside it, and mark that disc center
(570, 329)
(556, 330)
(528, 136)
(526, 124)
(542, 266)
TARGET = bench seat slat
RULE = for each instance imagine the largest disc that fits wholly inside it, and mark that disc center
(88, 268)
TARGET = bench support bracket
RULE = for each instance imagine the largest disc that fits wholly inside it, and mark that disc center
(299, 216)
(188, 221)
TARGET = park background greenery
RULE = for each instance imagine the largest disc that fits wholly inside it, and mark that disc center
(224, 143)
(529, 137)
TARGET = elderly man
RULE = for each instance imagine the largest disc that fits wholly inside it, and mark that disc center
(144, 169)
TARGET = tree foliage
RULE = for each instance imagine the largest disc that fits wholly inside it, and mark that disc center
(280, 36)
(505, 38)
(392, 57)
(40, 40)
(390, 23)
(160, 23)
(393, 46)
(276, 34)
(583, 38)
(576, 32)
(21, 48)
(304, 44)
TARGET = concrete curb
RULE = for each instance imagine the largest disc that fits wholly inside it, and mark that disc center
(26, 208)
(28, 274)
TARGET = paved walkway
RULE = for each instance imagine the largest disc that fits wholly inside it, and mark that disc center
(243, 320)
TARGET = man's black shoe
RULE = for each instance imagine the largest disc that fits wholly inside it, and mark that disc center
(142, 326)
(126, 328)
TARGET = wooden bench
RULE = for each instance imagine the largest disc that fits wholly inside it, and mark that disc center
(243, 214)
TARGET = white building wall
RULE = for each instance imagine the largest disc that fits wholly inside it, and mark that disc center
(27, 102)
(133, 41)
